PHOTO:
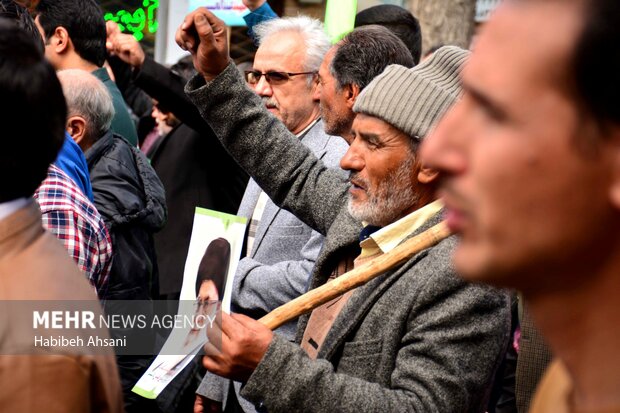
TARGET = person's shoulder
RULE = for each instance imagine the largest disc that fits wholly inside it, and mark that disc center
(433, 277)
(430, 271)
(59, 192)
(435, 261)
(120, 153)
(336, 145)
(115, 171)
(130, 179)
(440, 254)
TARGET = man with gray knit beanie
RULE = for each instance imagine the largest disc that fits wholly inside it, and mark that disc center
(416, 338)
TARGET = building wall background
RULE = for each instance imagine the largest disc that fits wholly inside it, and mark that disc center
(443, 21)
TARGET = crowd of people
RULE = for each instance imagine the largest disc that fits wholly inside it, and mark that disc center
(336, 154)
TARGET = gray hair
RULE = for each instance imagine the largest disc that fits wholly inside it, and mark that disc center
(317, 42)
(88, 97)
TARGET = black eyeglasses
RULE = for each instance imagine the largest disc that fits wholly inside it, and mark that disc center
(274, 78)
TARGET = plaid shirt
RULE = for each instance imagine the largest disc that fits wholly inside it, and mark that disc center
(75, 221)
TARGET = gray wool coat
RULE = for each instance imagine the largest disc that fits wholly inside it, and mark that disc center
(415, 339)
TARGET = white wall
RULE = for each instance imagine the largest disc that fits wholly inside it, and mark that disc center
(171, 15)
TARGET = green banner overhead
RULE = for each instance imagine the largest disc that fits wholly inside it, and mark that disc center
(339, 18)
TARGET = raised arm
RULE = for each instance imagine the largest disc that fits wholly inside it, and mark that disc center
(284, 168)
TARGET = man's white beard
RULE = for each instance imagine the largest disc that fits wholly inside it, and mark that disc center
(393, 196)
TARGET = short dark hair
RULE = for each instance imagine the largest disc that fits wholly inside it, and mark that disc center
(32, 113)
(364, 53)
(83, 20)
(9, 9)
(399, 21)
(596, 61)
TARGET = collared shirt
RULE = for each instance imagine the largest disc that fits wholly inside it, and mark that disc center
(301, 134)
(378, 243)
(8, 208)
(387, 238)
(261, 202)
(75, 221)
(256, 216)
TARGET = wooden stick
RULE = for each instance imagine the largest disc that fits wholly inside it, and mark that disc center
(356, 277)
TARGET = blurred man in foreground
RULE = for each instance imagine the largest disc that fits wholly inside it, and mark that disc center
(34, 266)
(530, 159)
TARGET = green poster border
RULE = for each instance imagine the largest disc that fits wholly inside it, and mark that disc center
(226, 218)
(149, 394)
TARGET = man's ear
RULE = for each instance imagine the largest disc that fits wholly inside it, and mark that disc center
(316, 88)
(351, 92)
(427, 175)
(76, 127)
(60, 40)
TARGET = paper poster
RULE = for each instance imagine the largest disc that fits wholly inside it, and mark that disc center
(214, 251)
(231, 11)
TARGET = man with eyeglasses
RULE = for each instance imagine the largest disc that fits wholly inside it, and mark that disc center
(280, 249)
(273, 78)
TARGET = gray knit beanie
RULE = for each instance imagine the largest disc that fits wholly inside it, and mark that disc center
(413, 100)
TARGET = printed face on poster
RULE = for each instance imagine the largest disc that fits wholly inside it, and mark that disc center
(214, 251)
(231, 11)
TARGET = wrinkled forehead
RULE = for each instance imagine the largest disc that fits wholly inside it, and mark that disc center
(365, 123)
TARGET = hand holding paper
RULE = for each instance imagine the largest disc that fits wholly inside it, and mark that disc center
(244, 342)
(204, 405)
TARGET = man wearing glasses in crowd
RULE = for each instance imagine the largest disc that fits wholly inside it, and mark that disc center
(281, 250)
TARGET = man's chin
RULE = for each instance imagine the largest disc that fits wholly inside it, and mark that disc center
(362, 212)
(472, 266)
(356, 209)
(466, 265)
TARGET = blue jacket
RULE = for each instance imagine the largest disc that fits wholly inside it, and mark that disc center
(260, 15)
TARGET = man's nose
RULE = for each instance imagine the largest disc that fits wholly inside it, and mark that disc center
(352, 159)
(262, 87)
(444, 148)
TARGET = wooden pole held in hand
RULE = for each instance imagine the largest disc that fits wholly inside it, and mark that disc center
(354, 278)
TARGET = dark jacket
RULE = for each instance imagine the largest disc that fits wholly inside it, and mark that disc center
(195, 169)
(132, 202)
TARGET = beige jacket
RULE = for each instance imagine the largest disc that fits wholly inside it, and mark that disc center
(34, 267)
